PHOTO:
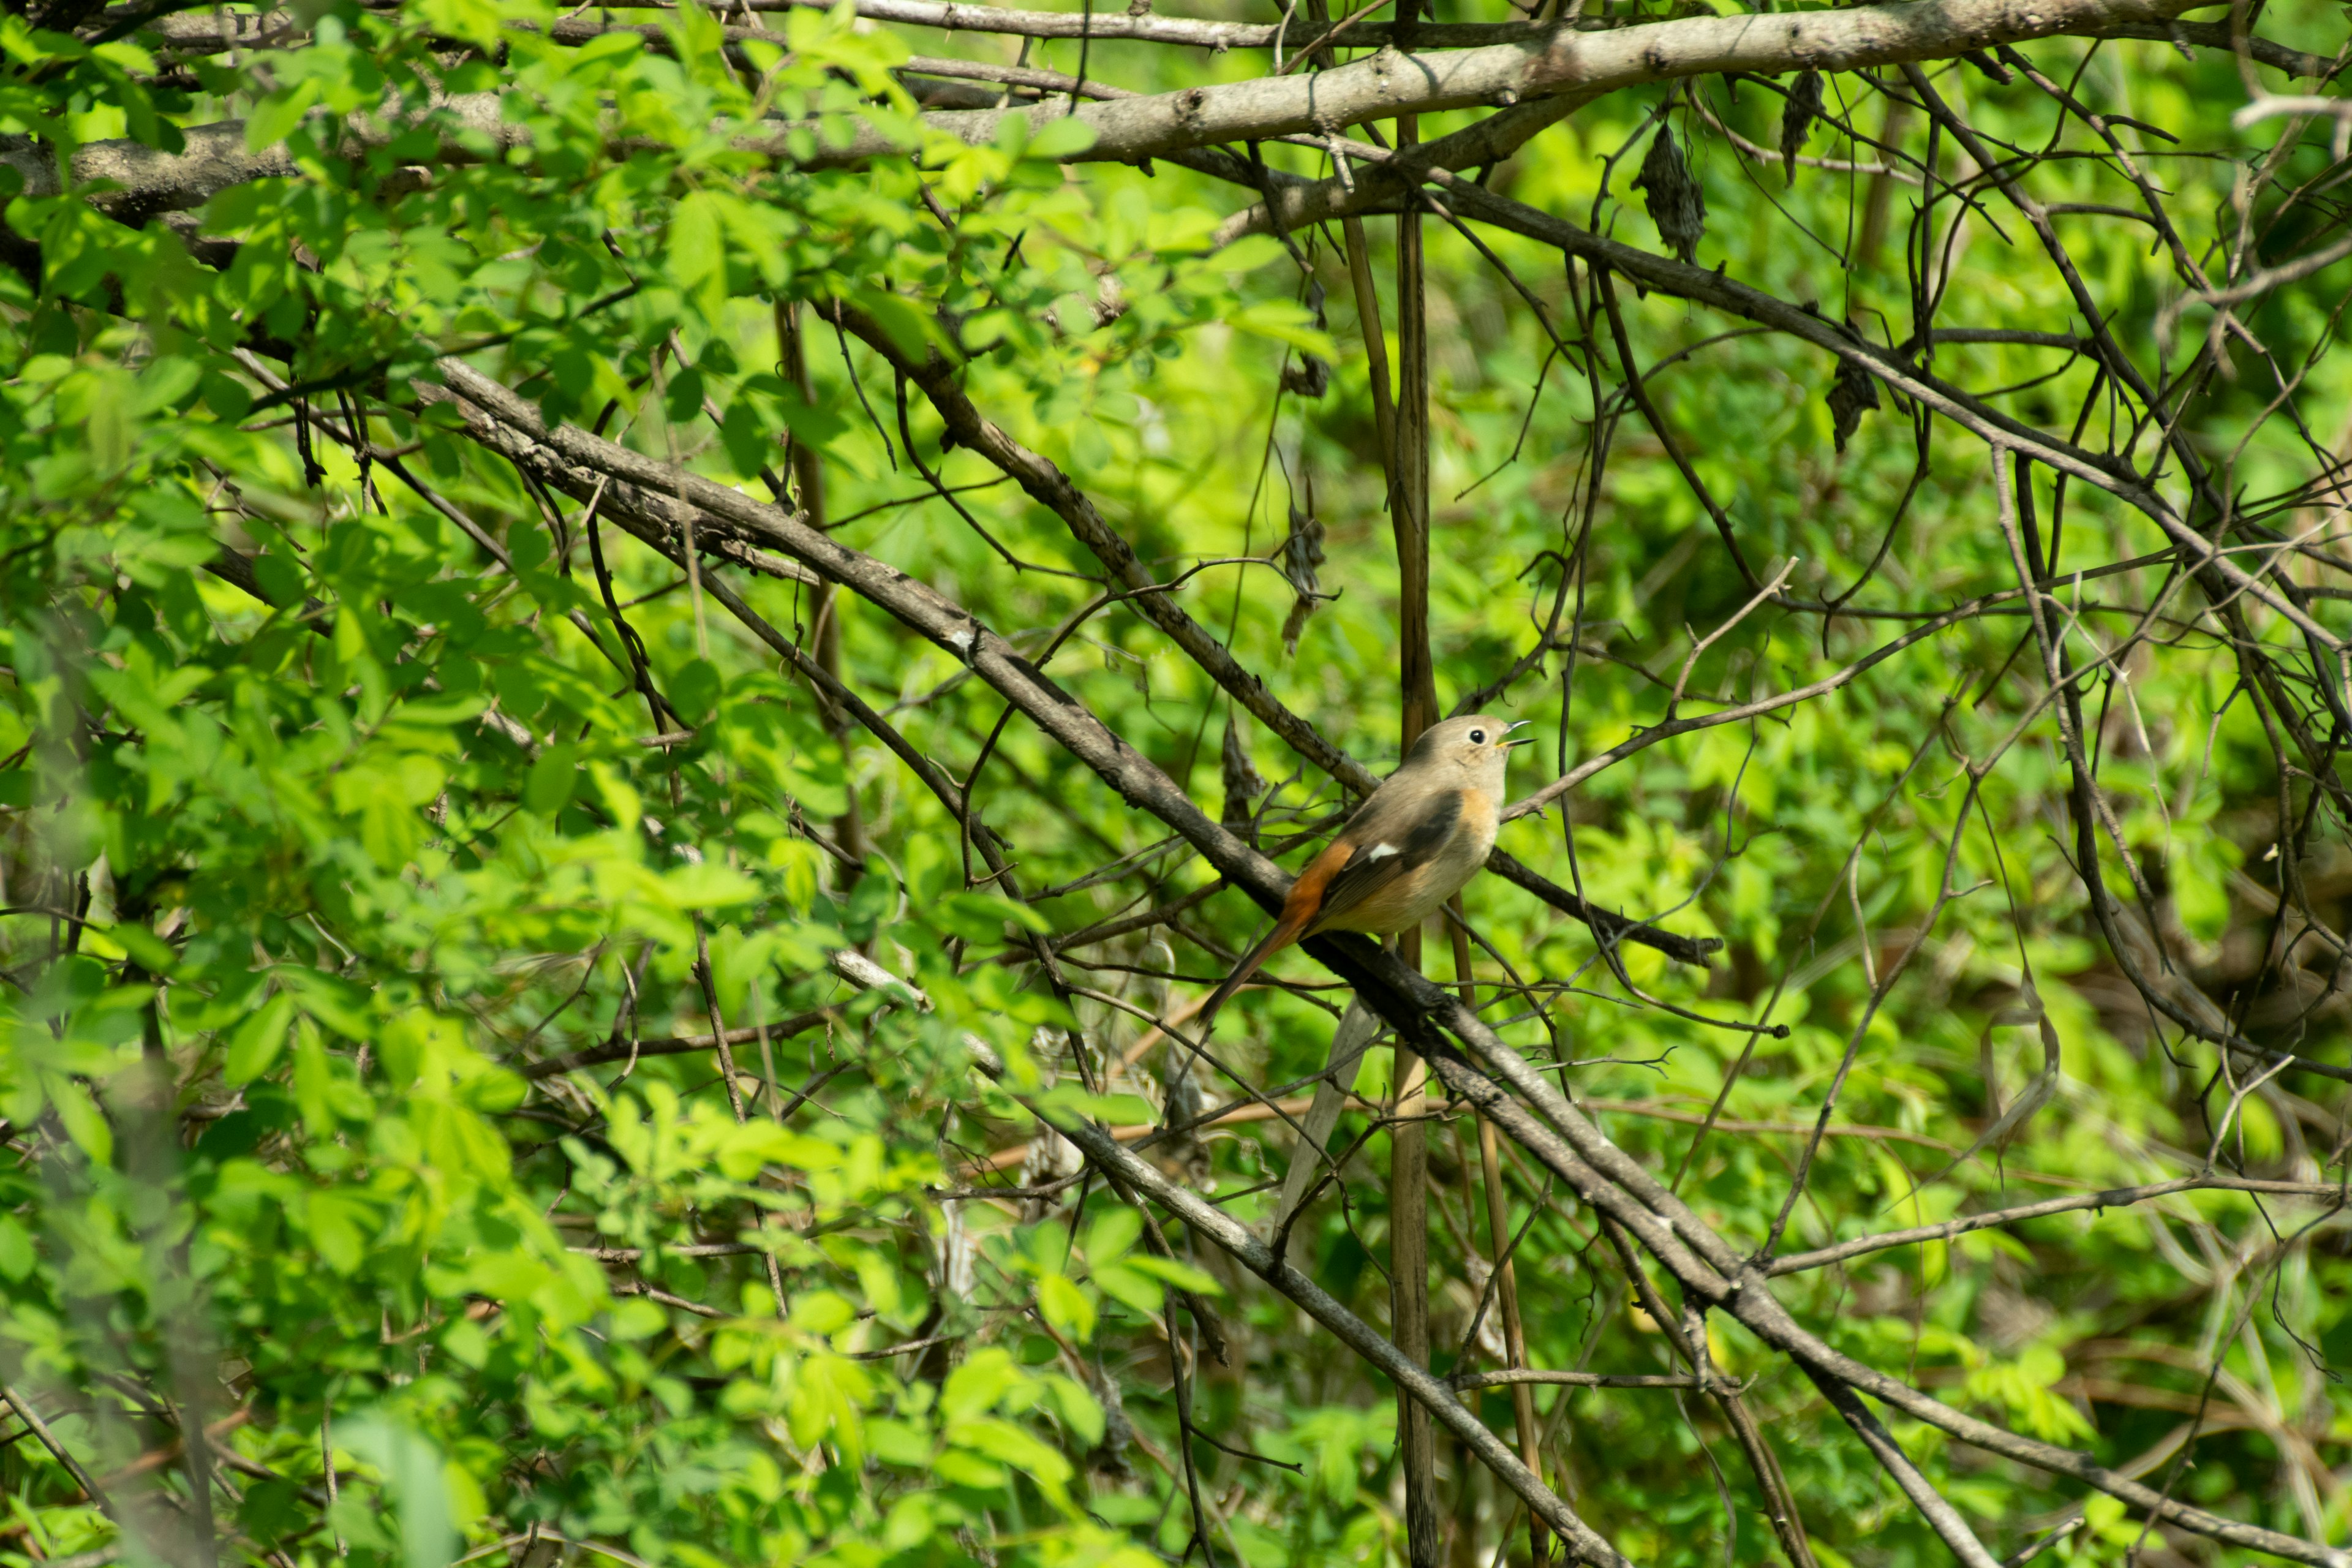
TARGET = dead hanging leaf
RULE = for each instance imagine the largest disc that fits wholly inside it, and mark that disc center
(1676, 204)
(1302, 553)
(1294, 624)
(1852, 394)
(1797, 118)
(1311, 377)
(1243, 784)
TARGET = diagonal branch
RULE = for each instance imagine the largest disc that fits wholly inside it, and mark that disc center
(1707, 1269)
(1608, 1180)
(1893, 367)
(1445, 1406)
(1153, 599)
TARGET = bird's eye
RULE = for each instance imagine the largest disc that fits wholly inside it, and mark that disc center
(1477, 737)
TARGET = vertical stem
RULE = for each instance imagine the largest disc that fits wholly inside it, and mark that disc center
(808, 483)
(327, 1461)
(1877, 204)
(677, 462)
(1368, 298)
(150, 1157)
(1507, 1283)
(1409, 1145)
(1779, 1503)
(1409, 505)
(726, 1068)
(1406, 470)
(1408, 1287)
(1376, 345)
(767, 1057)
(1178, 1348)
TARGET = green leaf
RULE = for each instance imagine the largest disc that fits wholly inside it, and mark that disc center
(276, 116)
(819, 427)
(475, 21)
(978, 1382)
(1111, 1233)
(340, 1225)
(982, 917)
(1060, 140)
(1122, 1283)
(254, 1045)
(695, 257)
(1018, 1448)
(1176, 1273)
(694, 690)
(152, 953)
(413, 1482)
(708, 886)
(1067, 1307)
(1251, 252)
(1117, 1110)
(1080, 1410)
(548, 788)
(86, 1126)
(1284, 323)
(822, 1312)
(465, 1340)
(17, 1256)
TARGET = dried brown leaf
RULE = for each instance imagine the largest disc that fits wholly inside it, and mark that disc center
(1676, 204)
(1797, 119)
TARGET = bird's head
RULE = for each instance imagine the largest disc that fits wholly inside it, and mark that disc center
(1476, 747)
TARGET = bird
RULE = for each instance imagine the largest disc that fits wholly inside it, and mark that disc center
(1413, 845)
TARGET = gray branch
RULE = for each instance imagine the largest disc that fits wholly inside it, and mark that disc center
(192, 32)
(1532, 1112)
(1559, 63)
(1554, 64)
(1156, 602)
(1213, 1225)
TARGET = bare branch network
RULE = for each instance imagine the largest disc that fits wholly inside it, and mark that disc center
(2265, 579)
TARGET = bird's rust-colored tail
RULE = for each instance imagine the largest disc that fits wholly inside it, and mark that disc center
(1299, 912)
(1283, 933)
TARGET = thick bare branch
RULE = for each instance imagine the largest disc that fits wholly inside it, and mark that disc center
(147, 181)
(192, 31)
(1600, 1173)
(197, 31)
(1558, 62)
(1562, 62)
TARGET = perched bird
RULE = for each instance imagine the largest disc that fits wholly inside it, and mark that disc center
(1421, 835)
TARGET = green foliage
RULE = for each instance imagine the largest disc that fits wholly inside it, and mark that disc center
(312, 876)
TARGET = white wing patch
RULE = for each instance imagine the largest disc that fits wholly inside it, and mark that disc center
(1380, 851)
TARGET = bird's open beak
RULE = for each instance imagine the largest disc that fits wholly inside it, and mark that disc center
(1522, 739)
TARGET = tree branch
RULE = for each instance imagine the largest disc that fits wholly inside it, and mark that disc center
(1557, 61)
(1600, 1173)
(1561, 61)
(1052, 488)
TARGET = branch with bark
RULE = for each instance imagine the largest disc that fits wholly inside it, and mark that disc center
(1555, 62)
(1480, 1069)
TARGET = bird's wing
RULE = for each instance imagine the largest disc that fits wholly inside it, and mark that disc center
(1385, 849)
